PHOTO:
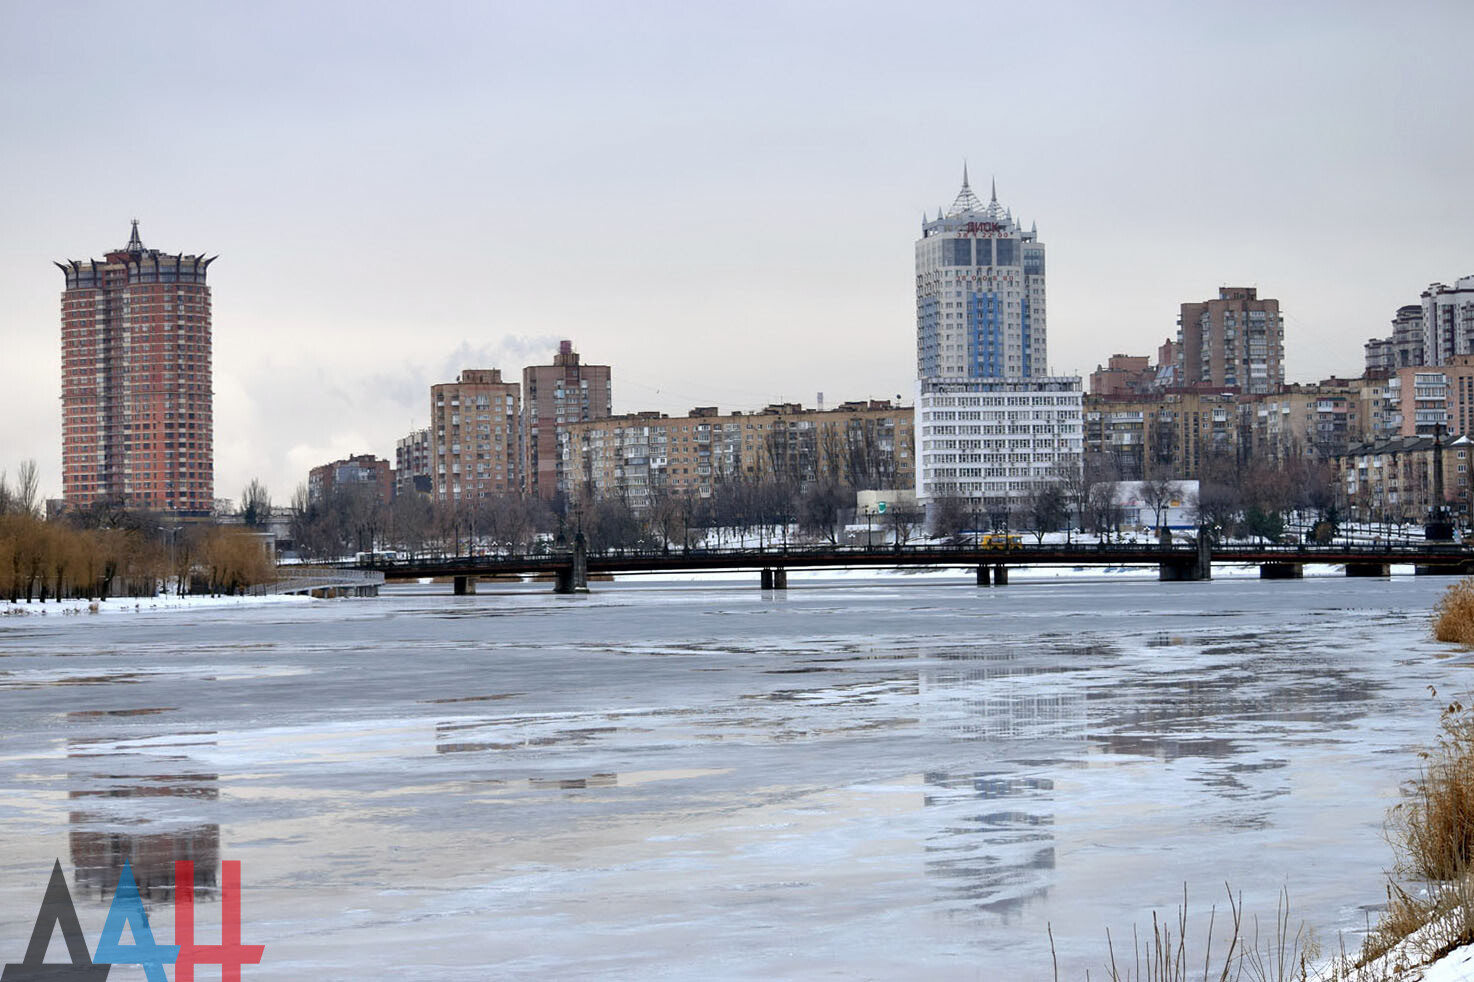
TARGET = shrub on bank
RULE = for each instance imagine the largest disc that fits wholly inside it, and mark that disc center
(1453, 618)
(1433, 826)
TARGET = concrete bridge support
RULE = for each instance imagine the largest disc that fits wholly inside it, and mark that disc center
(1000, 575)
(1175, 571)
(574, 578)
(465, 586)
(1199, 567)
(1282, 571)
(780, 578)
(1456, 569)
(1368, 569)
(985, 577)
(765, 578)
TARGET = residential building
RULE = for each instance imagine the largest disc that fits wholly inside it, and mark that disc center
(475, 436)
(412, 467)
(1168, 435)
(1168, 356)
(554, 395)
(1234, 341)
(991, 424)
(1375, 417)
(137, 400)
(1319, 420)
(995, 440)
(364, 471)
(1123, 375)
(1448, 321)
(1130, 436)
(1402, 348)
(1135, 375)
(1392, 480)
(640, 456)
(1428, 397)
(979, 293)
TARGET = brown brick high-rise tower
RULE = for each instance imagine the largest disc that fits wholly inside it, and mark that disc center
(136, 390)
(553, 396)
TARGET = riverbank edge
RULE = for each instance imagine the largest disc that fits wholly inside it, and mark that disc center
(130, 605)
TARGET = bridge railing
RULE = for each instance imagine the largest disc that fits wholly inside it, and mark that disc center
(1125, 552)
(304, 579)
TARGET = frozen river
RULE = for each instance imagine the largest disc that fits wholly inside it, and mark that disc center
(897, 778)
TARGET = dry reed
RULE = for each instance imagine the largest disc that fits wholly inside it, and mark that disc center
(1453, 617)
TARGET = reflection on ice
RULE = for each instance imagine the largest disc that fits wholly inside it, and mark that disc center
(120, 816)
(904, 782)
(995, 859)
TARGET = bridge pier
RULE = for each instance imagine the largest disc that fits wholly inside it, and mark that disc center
(1282, 571)
(574, 578)
(465, 586)
(984, 576)
(1368, 569)
(765, 578)
(1000, 575)
(780, 578)
(1455, 569)
(1199, 567)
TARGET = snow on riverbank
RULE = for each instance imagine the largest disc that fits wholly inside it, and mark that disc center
(128, 605)
(1456, 966)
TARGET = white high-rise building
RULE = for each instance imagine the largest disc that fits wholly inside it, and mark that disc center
(1448, 321)
(991, 425)
(995, 440)
(979, 293)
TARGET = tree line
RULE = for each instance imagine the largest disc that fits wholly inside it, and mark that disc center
(106, 550)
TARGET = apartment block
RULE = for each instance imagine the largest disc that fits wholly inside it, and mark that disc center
(1169, 435)
(1424, 398)
(1402, 348)
(137, 398)
(1319, 420)
(364, 471)
(995, 440)
(1448, 321)
(412, 467)
(555, 395)
(475, 436)
(1233, 341)
(640, 456)
(1393, 480)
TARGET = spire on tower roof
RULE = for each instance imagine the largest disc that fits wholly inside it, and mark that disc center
(135, 244)
(966, 201)
(995, 191)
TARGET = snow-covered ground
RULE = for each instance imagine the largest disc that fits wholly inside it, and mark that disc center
(118, 605)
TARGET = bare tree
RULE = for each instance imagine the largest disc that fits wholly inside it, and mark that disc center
(1159, 493)
(1047, 509)
(821, 508)
(255, 504)
(1069, 476)
(27, 488)
(949, 517)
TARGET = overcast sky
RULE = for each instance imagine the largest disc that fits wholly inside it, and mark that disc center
(719, 200)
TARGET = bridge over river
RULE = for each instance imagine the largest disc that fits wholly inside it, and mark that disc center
(570, 568)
